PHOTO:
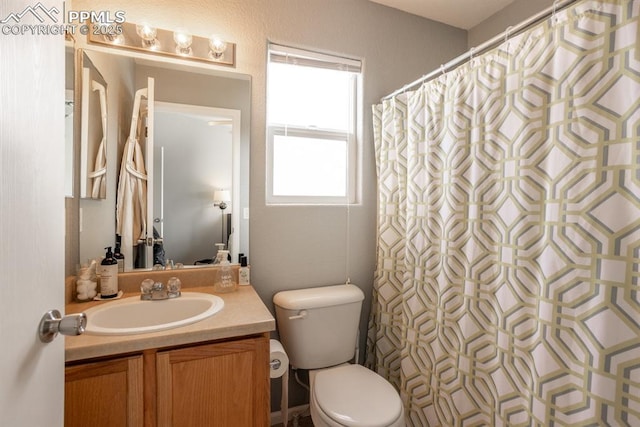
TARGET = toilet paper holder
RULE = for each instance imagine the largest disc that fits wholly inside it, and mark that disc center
(275, 364)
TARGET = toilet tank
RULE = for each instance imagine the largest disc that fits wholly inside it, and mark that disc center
(318, 327)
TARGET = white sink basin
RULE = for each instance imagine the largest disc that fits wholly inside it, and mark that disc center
(133, 316)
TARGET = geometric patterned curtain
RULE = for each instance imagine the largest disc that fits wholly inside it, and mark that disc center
(507, 288)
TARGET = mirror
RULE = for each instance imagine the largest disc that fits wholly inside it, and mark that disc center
(93, 132)
(199, 121)
(212, 134)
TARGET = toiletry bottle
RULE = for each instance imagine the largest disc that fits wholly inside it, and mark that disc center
(243, 273)
(108, 271)
(119, 258)
(217, 259)
(225, 281)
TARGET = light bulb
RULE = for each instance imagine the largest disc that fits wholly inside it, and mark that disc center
(114, 38)
(217, 47)
(148, 36)
(183, 42)
(146, 32)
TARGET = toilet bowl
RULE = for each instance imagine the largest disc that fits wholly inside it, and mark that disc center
(352, 395)
(318, 328)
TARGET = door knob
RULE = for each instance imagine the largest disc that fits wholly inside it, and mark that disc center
(53, 323)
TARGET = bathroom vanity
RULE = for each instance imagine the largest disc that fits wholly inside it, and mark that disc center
(213, 372)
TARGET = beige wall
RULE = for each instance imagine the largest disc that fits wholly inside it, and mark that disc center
(296, 247)
(516, 12)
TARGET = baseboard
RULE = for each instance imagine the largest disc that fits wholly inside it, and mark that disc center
(276, 417)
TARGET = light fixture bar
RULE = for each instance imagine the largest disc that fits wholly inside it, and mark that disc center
(165, 43)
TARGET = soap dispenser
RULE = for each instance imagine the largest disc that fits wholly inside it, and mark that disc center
(108, 271)
(224, 280)
(218, 258)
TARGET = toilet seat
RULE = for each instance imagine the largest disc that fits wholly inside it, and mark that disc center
(352, 395)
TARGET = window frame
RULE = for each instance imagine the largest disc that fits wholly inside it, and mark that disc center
(280, 129)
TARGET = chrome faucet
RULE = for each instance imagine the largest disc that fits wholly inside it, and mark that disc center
(153, 291)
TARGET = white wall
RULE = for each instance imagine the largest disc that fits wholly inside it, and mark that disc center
(197, 160)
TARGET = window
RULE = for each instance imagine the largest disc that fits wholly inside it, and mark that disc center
(311, 127)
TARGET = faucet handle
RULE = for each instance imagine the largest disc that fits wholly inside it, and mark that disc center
(173, 286)
(146, 286)
(152, 290)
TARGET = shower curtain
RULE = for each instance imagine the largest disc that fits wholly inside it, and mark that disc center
(508, 266)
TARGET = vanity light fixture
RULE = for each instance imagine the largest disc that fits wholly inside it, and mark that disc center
(177, 44)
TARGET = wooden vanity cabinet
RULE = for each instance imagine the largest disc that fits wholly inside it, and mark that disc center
(106, 393)
(223, 383)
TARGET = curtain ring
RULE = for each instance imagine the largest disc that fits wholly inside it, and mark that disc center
(553, 14)
(442, 69)
(507, 32)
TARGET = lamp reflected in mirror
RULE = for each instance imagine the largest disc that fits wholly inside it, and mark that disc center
(220, 199)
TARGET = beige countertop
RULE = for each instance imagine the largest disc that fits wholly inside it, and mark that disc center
(243, 314)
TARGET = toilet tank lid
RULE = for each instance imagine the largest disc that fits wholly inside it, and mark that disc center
(325, 296)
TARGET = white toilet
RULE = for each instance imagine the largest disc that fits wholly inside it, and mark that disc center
(318, 329)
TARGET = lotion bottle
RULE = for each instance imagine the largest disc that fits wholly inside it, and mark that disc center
(243, 273)
(108, 271)
(119, 258)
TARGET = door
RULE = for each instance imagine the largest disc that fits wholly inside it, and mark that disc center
(148, 160)
(32, 168)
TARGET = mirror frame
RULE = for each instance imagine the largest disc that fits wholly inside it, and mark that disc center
(241, 161)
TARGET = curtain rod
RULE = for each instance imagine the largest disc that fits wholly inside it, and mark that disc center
(489, 44)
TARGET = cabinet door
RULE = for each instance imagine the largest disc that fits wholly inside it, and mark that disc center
(105, 393)
(222, 384)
